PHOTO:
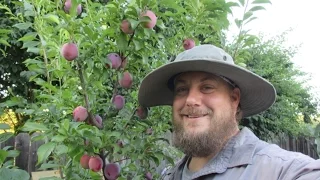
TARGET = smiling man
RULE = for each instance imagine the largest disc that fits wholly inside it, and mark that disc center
(209, 95)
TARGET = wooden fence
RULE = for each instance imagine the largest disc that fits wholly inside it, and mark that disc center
(27, 158)
(28, 150)
(305, 145)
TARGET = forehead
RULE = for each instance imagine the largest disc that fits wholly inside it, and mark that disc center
(195, 76)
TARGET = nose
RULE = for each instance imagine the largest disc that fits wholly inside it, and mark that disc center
(194, 97)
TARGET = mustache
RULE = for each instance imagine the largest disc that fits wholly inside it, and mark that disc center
(195, 111)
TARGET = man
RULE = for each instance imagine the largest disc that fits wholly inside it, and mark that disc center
(209, 95)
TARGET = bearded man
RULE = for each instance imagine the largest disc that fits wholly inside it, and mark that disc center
(209, 95)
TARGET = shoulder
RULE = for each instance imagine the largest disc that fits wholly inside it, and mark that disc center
(291, 165)
(273, 152)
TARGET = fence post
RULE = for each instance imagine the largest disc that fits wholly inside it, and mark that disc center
(22, 145)
(33, 156)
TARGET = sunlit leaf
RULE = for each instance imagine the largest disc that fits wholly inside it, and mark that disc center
(23, 26)
(261, 2)
(256, 8)
(44, 151)
(33, 126)
(4, 126)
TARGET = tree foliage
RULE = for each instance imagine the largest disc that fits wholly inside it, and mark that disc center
(137, 145)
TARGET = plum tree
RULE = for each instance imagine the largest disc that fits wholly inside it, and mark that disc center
(109, 49)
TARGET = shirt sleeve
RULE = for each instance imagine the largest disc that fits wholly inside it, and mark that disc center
(304, 170)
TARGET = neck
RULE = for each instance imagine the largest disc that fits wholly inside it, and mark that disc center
(197, 163)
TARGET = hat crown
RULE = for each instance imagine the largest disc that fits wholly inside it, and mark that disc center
(205, 52)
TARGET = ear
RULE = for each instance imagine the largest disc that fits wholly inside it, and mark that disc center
(235, 97)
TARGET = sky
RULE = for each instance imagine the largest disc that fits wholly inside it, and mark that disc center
(303, 18)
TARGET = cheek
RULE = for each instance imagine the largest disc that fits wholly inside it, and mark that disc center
(178, 103)
(217, 103)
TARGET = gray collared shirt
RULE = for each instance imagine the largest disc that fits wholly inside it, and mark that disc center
(245, 157)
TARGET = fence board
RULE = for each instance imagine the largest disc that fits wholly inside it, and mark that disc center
(9, 142)
(22, 145)
(33, 157)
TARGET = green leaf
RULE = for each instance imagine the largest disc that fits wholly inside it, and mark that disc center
(162, 139)
(58, 138)
(43, 83)
(137, 44)
(145, 59)
(238, 22)
(242, 65)
(32, 126)
(44, 151)
(133, 23)
(4, 126)
(52, 18)
(4, 42)
(256, 8)
(317, 132)
(30, 44)
(122, 42)
(261, 2)
(13, 153)
(5, 136)
(13, 174)
(231, 4)
(89, 32)
(171, 161)
(247, 15)
(23, 26)
(251, 19)
(14, 101)
(241, 2)
(48, 166)
(3, 155)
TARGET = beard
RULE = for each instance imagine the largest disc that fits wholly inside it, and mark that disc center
(203, 144)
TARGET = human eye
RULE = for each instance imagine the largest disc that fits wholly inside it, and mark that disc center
(180, 90)
(207, 88)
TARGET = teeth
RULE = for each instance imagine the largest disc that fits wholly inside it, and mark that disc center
(194, 116)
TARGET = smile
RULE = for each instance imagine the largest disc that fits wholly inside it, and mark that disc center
(195, 116)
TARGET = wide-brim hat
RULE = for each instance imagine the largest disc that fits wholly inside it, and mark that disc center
(257, 94)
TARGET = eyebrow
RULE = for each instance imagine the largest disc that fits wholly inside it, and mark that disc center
(209, 77)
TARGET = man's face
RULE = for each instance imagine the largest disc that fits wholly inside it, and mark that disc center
(204, 109)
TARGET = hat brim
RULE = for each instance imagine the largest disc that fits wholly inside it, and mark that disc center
(257, 94)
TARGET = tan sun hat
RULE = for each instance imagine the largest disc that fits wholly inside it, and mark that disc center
(257, 94)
